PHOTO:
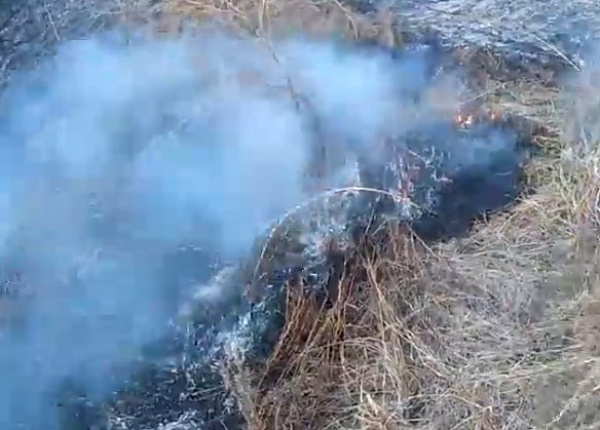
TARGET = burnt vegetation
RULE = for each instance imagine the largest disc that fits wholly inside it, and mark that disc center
(292, 312)
(448, 295)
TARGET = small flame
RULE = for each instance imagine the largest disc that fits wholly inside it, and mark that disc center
(464, 120)
(494, 115)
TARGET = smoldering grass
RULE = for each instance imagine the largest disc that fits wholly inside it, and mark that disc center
(468, 334)
(477, 331)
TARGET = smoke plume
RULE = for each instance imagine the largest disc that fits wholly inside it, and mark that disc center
(120, 151)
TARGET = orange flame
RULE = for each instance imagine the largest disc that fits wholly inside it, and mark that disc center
(463, 120)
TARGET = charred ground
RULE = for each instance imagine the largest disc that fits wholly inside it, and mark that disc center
(425, 192)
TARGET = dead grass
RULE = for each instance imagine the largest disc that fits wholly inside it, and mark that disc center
(267, 18)
(463, 336)
(495, 331)
(500, 330)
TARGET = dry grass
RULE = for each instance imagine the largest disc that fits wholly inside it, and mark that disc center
(268, 18)
(468, 335)
(500, 330)
(495, 331)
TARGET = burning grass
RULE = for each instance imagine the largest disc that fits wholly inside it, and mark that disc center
(497, 330)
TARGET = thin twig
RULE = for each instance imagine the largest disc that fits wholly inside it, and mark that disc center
(558, 52)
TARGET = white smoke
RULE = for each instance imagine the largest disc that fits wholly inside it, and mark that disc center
(116, 152)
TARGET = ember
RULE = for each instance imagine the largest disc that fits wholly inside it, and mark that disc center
(463, 121)
(451, 174)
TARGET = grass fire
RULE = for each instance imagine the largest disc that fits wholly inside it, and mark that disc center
(292, 214)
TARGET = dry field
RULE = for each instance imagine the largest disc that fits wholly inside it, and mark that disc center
(499, 330)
